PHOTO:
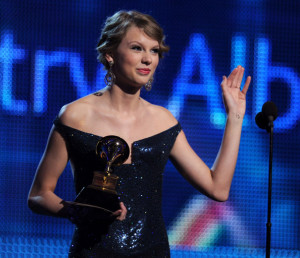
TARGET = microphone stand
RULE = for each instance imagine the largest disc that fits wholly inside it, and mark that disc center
(268, 246)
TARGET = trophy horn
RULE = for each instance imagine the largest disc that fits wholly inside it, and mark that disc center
(113, 151)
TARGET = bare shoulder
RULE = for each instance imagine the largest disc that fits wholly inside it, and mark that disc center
(76, 113)
(162, 116)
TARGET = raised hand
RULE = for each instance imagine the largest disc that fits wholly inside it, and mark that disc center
(233, 97)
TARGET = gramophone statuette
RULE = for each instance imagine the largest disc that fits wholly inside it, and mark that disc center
(112, 151)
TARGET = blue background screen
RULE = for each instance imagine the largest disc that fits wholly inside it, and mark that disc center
(48, 59)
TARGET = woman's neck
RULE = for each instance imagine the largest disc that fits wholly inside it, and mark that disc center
(124, 101)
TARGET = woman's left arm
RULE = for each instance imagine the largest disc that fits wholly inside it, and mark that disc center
(216, 182)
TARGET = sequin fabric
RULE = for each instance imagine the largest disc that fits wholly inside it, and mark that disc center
(142, 233)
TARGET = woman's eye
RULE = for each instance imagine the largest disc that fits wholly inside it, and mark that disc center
(138, 48)
(155, 50)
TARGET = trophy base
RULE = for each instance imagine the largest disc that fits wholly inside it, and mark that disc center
(90, 207)
(91, 197)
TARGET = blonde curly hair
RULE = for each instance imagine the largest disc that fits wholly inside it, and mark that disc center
(117, 25)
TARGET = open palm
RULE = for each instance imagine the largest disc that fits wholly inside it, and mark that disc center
(233, 97)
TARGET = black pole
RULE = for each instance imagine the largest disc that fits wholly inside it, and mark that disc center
(264, 120)
(268, 246)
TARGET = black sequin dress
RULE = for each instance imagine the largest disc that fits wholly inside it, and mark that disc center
(143, 232)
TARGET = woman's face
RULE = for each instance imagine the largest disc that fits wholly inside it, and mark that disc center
(135, 59)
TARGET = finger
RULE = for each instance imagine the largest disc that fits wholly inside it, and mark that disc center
(224, 83)
(234, 79)
(232, 75)
(246, 86)
(121, 214)
(241, 75)
(121, 217)
(122, 206)
(116, 213)
(238, 78)
(124, 210)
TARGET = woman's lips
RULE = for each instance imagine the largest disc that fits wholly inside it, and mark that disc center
(144, 70)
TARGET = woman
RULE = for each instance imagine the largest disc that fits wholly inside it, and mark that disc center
(130, 47)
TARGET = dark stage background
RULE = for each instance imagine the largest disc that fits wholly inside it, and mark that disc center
(48, 58)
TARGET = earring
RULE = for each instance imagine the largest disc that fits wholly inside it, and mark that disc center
(148, 85)
(110, 78)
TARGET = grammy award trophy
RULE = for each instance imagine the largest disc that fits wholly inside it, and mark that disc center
(112, 151)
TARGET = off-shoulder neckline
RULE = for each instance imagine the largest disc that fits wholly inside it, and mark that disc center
(134, 142)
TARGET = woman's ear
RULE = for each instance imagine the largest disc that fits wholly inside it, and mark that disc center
(109, 58)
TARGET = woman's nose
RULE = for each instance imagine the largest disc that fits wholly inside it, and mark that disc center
(147, 59)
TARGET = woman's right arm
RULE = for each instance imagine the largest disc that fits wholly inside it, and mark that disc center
(41, 198)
